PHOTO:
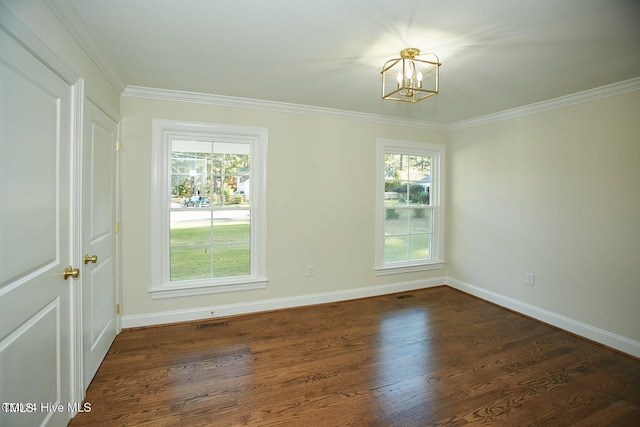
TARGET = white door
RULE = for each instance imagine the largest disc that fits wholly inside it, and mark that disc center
(35, 241)
(98, 238)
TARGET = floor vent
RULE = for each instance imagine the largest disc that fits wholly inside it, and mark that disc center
(210, 324)
(404, 296)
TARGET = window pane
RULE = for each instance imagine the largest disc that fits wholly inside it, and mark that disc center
(222, 215)
(235, 228)
(396, 221)
(235, 163)
(236, 199)
(419, 246)
(401, 189)
(402, 168)
(190, 236)
(414, 194)
(231, 260)
(418, 167)
(190, 262)
(396, 248)
(216, 191)
(391, 197)
(392, 166)
(180, 189)
(190, 169)
(414, 168)
(420, 220)
(217, 163)
(189, 227)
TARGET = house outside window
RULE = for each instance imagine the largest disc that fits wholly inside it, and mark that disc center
(208, 216)
(410, 206)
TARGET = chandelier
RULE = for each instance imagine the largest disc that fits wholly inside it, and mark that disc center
(410, 79)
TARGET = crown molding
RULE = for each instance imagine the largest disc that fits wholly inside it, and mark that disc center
(30, 41)
(230, 101)
(72, 22)
(563, 101)
(281, 107)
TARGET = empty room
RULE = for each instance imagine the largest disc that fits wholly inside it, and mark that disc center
(324, 213)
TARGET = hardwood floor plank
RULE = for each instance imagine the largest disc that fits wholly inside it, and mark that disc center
(620, 413)
(432, 357)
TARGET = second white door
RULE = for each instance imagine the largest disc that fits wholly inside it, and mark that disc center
(99, 279)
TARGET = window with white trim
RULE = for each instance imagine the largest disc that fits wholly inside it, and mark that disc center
(208, 212)
(410, 206)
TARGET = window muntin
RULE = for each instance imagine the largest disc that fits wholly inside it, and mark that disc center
(410, 223)
(208, 220)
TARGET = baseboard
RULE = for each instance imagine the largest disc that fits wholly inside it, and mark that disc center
(159, 318)
(584, 330)
(592, 333)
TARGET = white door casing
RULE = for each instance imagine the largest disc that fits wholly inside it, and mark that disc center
(36, 331)
(99, 279)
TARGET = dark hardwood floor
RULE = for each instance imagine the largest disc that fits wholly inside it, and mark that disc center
(429, 357)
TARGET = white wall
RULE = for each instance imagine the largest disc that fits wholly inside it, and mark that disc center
(42, 25)
(321, 207)
(555, 193)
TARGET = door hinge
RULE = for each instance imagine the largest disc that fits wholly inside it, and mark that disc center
(117, 227)
(117, 147)
(117, 308)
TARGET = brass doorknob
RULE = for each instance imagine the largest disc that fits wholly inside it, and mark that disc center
(90, 258)
(70, 271)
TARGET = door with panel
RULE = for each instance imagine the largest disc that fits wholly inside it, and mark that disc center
(99, 283)
(36, 330)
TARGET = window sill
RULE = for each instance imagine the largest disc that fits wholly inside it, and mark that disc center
(185, 290)
(399, 269)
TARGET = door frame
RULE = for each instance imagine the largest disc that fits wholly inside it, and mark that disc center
(85, 92)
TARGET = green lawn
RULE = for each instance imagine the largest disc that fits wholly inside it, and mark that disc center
(209, 252)
(406, 248)
(407, 234)
(224, 249)
(225, 232)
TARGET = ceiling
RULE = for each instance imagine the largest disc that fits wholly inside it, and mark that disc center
(496, 54)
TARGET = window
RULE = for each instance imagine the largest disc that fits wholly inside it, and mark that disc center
(208, 208)
(410, 203)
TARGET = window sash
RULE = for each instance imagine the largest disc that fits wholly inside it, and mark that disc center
(207, 171)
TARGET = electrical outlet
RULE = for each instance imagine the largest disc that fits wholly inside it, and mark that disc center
(528, 279)
(311, 270)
